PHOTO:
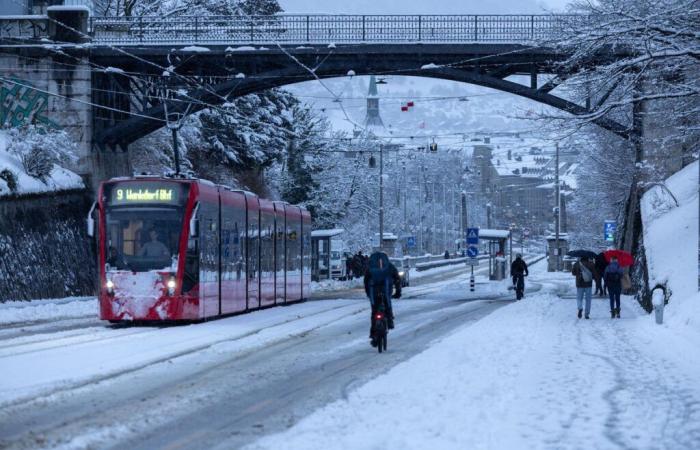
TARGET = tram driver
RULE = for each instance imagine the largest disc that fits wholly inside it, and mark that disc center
(154, 248)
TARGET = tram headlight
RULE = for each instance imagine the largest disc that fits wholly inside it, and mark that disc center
(171, 284)
(402, 273)
(110, 287)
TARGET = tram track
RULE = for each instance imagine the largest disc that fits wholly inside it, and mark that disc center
(43, 396)
(77, 339)
(145, 403)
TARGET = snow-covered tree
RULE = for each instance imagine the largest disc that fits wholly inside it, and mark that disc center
(40, 148)
(638, 61)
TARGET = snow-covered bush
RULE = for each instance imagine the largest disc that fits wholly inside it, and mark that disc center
(39, 148)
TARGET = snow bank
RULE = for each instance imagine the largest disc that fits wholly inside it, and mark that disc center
(671, 243)
(41, 310)
(60, 178)
(530, 375)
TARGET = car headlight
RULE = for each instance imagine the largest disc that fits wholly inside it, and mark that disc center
(402, 273)
(171, 286)
(110, 286)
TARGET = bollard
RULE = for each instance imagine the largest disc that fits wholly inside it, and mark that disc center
(658, 299)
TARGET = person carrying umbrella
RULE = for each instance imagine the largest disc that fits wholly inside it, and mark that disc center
(613, 281)
(623, 260)
(600, 264)
(584, 270)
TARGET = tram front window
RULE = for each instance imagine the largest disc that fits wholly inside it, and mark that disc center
(141, 239)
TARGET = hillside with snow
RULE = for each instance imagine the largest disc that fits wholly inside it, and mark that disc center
(443, 109)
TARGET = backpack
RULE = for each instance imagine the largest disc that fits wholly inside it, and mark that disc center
(614, 277)
(379, 268)
(586, 274)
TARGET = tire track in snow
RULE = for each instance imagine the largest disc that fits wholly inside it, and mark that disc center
(68, 386)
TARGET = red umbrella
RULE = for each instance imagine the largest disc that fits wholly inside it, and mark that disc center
(624, 259)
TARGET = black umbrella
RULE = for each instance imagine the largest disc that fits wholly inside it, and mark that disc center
(582, 254)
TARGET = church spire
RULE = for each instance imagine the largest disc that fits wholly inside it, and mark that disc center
(372, 118)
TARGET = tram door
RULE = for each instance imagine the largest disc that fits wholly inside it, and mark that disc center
(209, 259)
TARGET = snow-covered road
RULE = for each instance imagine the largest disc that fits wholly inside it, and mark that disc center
(531, 375)
(231, 380)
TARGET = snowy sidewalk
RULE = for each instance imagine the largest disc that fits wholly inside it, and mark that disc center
(530, 375)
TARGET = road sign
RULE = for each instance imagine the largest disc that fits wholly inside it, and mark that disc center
(473, 236)
(609, 229)
(472, 251)
(411, 241)
(472, 262)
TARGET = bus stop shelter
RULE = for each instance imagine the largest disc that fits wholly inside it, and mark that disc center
(497, 242)
(321, 252)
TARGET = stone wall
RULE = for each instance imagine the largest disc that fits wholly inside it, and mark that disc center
(50, 90)
(44, 248)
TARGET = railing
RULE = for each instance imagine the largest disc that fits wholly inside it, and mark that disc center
(327, 29)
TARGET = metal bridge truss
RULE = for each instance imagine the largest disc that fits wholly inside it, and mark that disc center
(222, 74)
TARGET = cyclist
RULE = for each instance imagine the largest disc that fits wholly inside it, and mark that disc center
(518, 270)
(379, 278)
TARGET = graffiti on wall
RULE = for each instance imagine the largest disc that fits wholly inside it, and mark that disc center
(21, 103)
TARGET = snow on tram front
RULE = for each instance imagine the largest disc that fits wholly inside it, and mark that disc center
(186, 249)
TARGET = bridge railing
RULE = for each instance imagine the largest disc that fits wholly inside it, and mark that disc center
(326, 29)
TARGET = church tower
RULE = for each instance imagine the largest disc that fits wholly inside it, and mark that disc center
(372, 119)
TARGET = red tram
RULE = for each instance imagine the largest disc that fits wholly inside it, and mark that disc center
(187, 249)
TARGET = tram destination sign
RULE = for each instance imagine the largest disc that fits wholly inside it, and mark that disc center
(140, 193)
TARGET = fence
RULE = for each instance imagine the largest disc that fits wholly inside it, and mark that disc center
(326, 29)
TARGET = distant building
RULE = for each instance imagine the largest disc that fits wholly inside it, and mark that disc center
(519, 183)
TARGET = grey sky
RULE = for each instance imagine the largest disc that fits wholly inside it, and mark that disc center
(423, 6)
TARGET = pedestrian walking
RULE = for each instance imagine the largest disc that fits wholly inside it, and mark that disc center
(584, 270)
(600, 265)
(613, 280)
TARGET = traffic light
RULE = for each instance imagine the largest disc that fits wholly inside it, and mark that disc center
(433, 147)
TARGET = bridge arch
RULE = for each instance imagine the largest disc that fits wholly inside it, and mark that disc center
(133, 128)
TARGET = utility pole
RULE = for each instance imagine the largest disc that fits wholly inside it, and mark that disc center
(556, 208)
(174, 121)
(432, 230)
(420, 209)
(463, 223)
(405, 223)
(444, 217)
(381, 197)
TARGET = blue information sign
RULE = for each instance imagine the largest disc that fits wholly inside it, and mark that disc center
(411, 241)
(472, 236)
(472, 243)
(609, 230)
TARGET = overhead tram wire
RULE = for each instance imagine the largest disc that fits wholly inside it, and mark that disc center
(225, 99)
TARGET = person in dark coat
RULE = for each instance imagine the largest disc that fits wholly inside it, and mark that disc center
(585, 272)
(613, 281)
(600, 265)
(381, 277)
(358, 264)
(447, 254)
(518, 270)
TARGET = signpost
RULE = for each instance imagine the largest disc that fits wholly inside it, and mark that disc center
(609, 229)
(472, 252)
